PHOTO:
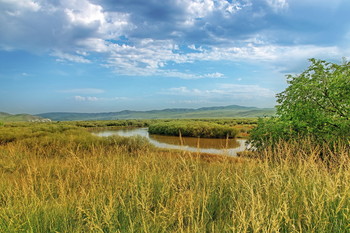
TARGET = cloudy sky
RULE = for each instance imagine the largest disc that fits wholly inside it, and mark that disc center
(112, 55)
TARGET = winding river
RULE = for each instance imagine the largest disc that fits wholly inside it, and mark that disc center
(204, 145)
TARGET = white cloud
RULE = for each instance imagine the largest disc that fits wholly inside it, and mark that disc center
(69, 57)
(150, 57)
(277, 5)
(215, 30)
(79, 98)
(85, 98)
(198, 9)
(246, 90)
(63, 25)
(224, 94)
(214, 75)
(94, 45)
(232, 91)
(146, 57)
(94, 98)
(107, 24)
(182, 75)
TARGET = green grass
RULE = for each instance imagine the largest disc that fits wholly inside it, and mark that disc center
(6, 117)
(243, 126)
(61, 178)
(193, 129)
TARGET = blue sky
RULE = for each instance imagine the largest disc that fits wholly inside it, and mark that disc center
(112, 55)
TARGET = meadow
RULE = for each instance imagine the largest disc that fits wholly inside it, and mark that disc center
(58, 177)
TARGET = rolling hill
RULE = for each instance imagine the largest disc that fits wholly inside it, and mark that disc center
(6, 117)
(174, 113)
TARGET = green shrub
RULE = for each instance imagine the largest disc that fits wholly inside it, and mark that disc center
(315, 105)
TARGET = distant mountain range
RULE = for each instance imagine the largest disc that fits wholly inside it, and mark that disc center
(6, 117)
(173, 113)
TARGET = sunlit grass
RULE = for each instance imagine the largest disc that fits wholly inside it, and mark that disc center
(67, 180)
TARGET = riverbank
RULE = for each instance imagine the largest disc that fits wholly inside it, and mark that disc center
(227, 147)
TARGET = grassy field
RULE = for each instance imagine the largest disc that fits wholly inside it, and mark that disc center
(60, 178)
(6, 117)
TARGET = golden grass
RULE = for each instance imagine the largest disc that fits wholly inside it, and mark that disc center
(71, 181)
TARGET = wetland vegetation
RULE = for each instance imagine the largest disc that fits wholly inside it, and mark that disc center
(193, 129)
(59, 177)
(227, 146)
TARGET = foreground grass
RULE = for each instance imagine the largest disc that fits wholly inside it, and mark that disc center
(66, 180)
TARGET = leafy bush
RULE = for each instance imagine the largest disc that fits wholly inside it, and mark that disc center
(316, 104)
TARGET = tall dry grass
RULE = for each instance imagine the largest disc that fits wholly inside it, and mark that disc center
(74, 182)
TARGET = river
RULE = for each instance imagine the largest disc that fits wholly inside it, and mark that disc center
(204, 145)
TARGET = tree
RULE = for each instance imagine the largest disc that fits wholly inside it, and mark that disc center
(316, 103)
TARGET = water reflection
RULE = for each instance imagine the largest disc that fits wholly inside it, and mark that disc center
(205, 145)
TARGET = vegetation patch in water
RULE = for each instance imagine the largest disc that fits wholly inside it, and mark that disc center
(193, 129)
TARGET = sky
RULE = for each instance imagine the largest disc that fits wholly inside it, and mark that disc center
(113, 55)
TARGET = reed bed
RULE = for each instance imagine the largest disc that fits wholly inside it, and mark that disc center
(72, 181)
(193, 129)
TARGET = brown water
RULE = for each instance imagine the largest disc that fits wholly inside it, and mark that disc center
(205, 145)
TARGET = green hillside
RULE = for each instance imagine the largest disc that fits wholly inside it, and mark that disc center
(6, 117)
(175, 113)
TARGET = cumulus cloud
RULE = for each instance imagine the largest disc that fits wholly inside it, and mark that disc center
(56, 25)
(143, 37)
(84, 13)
